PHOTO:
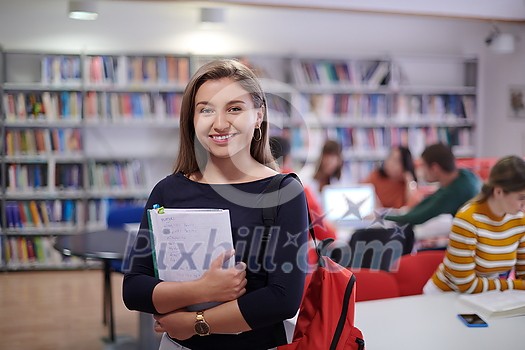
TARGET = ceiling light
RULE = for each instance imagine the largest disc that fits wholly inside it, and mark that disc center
(212, 15)
(83, 9)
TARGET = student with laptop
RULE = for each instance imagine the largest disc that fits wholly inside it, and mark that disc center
(456, 187)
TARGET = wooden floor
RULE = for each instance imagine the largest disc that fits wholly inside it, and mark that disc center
(58, 310)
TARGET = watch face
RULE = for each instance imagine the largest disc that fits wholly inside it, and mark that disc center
(202, 328)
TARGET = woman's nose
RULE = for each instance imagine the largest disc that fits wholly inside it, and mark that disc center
(221, 121)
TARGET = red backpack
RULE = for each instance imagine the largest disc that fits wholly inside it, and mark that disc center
(326, 315)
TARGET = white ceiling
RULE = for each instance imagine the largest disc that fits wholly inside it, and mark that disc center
(507, 10)
(497, 10)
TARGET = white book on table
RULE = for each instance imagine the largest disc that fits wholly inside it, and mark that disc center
(186, 241)
(496, 303)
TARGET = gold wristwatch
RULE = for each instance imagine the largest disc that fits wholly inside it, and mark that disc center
(202, 327)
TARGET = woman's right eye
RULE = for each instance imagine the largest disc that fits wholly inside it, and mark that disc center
(206, 110)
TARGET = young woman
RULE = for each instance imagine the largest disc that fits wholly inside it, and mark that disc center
(488, 236)
(225, 162)
(395, 182)
(328, 169)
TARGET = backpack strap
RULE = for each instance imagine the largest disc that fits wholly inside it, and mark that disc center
(270, 202)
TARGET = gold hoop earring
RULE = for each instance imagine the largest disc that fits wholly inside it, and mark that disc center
(260, 134)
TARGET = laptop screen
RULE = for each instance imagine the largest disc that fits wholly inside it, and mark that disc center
(348, 205)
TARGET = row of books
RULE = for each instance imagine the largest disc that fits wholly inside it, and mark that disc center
(372, 140)
(113, 106)
(48, 106)
(23, 177)
(19, 251)
(136, 69)
(42, 141)
(61, 69)
(352, 73)
(360, 170)
(398, 106)
(44, 214)
(116, 175)
(66, 176)
(60, 214)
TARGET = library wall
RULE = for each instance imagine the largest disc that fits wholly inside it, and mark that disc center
(503, 133)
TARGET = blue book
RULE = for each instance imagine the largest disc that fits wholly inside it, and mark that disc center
(64, 99)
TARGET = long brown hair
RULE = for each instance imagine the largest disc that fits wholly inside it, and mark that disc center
(330, 147)
(508, 173)
(192, 155)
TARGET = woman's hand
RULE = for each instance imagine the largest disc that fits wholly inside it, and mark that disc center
(178, 324)
(222, 284)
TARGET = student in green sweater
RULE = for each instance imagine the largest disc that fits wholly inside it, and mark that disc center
(456, 187)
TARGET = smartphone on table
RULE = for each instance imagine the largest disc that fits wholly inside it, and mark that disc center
(472, 320)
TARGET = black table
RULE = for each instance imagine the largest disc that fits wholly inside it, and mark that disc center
(106, 246)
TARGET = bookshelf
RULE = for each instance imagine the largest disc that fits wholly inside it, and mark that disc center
(84, 132)
(81, 133)
(368, 105)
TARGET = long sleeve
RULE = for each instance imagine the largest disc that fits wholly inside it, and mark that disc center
(520, 263)
(446, 200)
(476, 256)
(139, 280)
(432, 206)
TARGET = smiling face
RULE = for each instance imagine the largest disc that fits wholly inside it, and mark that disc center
(225, 118)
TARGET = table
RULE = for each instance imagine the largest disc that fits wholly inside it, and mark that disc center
(430, 322)
(106, 246)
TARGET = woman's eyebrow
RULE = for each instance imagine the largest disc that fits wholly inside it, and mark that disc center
(202, 103)
(236, 101)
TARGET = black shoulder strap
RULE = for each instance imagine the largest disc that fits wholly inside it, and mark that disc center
(269, 203)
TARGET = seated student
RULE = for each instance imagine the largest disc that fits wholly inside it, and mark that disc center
(328, 169)
(456, 187)
(280, 148)
(488, 236)
(395, 182)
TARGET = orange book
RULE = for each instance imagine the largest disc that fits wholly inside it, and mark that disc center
(172, 69)
(183, 70)
(136, 70)
(22, 250)
(96, 69)
(56, 141)
(45, 213)
(34, 214)
(150, 69)
(10, 146)
(40, 143)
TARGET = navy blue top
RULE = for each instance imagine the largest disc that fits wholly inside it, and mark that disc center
(273, 293)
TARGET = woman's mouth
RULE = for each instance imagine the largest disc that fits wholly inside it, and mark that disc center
(222, 138)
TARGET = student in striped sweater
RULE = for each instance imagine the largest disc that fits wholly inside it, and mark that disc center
(488, 236)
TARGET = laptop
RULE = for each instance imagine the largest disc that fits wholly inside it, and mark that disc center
(349, 206)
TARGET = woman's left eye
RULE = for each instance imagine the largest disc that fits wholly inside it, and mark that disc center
(234, 109)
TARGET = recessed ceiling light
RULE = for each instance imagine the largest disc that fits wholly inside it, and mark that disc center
(83, 10)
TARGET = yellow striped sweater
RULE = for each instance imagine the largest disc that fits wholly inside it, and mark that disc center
(481, 247)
